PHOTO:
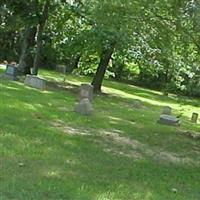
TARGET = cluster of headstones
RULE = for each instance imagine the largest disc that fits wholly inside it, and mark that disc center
(84, 106)
(167, 118)
(12, 72)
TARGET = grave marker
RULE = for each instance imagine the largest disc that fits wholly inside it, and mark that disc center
(11, 72)
(167, 110)
(169, 120)
(84, 106)
(61, 69)
(194, 117)
(35, 82)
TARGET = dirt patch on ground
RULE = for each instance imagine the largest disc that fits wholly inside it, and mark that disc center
(190, 134)
(65, 128)
(123, 145)
(116, 143)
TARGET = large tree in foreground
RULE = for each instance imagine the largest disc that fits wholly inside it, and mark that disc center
(113, 24)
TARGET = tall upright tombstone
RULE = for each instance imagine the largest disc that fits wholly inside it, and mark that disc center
(86, 91)
(84, 106)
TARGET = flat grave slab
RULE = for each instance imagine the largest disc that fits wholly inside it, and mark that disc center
(35, 82)
(169, 120)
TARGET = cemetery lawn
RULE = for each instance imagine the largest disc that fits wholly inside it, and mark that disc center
(119, 153)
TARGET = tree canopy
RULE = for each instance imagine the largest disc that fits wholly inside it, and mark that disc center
(151, 43)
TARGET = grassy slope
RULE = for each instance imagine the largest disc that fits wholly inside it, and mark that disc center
(49, 152)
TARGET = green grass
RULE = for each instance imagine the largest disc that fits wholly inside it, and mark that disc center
(119, 153)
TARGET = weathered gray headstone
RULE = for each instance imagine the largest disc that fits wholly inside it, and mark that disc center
(35, 82)
(84, 106)
(167, 110)
(86, 91)
(11, 72)
(169, 120)
(61, 68)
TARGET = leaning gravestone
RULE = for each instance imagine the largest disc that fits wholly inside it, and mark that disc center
(11, 72)
(167, 110)
(84, 106)
(35, 82)
(169, 120)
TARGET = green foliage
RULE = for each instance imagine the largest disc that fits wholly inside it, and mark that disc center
(160, 38)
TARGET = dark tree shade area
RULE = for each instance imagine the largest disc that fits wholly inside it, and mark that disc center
(151, 43)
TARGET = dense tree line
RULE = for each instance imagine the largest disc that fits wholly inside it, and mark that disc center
(151, 42)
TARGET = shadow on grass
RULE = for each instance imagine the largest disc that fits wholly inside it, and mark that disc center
(60, 165)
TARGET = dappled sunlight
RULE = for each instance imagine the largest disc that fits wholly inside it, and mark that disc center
(30, 106)
(54, 173)
(21, 144)
(119, 152)
(52, 77)
(124, 86)
(2, 66)
(115, 142)
(138, 150)
(38, 105)
(65, 128)
(39, 91)
(75, 82)
(116, 120)
(185, 110)
(122, 94)
(136, 192)
(10, 87)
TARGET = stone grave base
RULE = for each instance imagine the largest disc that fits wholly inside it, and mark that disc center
(169, 120)
(10, 77)
(84, 107)
(35, 82)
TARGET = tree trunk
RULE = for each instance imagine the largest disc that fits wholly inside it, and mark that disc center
(40, 28)
(99, 75)
(27, 42)
(38, 50)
